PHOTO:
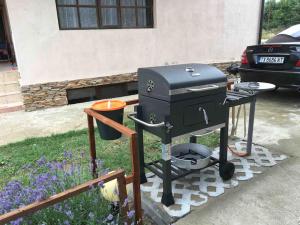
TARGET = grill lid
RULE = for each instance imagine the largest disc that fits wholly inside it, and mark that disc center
(166, 81)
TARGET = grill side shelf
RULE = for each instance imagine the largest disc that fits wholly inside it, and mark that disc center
(236, 98)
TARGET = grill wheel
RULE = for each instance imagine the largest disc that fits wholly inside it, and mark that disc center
(226, 170)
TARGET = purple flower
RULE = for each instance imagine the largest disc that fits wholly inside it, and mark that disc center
(99, 162)
(82, 154)
(54, 178)
(106, 171)
(40, 196)
(91, 215)
(59, 166)
(130, 214)
(17, 222)
(69, 214)
(65, 154)
(41, 161)
(110, 217)
(125, 202)
(68, 154)
(66, 222)
(116, 191)
(101, 184)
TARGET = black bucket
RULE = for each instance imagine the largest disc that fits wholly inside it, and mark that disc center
(113, 113)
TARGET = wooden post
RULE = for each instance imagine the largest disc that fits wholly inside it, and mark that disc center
(123, 203)
(136, 179)
(92, 142)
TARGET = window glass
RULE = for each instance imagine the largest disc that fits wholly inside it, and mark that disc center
(66, 2)
(88, 17)
(109, 16)
(104, 14)
(142, 17)
(68, 17)
(108, 2)
(87, 2)
(127, 2)
(141, 2)
(128, 17)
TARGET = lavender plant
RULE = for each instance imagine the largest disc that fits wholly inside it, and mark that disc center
(48, 178)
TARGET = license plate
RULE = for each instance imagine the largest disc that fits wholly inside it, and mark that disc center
(271, 60)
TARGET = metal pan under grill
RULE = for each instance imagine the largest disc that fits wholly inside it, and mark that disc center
(190, 156)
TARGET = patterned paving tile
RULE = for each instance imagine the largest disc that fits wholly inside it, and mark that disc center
(195, 189)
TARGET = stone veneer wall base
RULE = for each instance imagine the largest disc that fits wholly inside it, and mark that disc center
(46, 95)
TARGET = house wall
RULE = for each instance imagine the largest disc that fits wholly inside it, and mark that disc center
(185, 31)
(51, 61)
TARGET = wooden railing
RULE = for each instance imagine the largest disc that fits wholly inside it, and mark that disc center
(36, 206)
(132, 135)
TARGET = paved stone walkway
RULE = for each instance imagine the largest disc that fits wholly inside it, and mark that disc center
(17, 126)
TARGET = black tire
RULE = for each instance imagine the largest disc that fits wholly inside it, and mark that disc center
(226, 170)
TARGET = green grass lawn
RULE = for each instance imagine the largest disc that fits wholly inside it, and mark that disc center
(115, 154)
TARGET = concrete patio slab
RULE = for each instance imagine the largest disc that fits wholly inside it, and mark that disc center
(272, 198)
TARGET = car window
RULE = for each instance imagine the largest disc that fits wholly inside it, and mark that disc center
(281, 38)
(293, 31)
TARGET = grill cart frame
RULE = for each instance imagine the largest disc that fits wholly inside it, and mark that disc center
(163, 168)
(177, 100)
(226, 168)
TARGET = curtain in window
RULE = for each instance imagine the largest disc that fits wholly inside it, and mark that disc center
(128, 17)
(108, 2)
(109, 16)
(88, 17)
(141, 2)
(66, 2)
(87, 2)
(142, 17)
(68, 17)
(109, 13)
(127, 2)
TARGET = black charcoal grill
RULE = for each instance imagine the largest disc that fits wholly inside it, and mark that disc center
(177, 100)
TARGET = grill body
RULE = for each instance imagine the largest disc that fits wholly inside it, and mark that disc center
(176, 100)
(189, 97)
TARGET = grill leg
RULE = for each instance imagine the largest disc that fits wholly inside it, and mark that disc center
(167, 197)
(224, 141)
(193, 139)
(140, 135)
(226, 169)
(140, 143)
(250, 126)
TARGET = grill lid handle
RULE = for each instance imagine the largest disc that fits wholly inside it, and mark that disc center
(210, 87)
(132, 116)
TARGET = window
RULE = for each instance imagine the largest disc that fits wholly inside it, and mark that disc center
(102, 14)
